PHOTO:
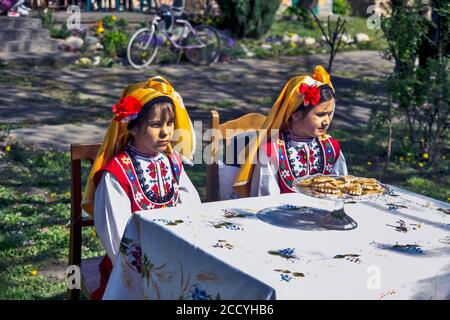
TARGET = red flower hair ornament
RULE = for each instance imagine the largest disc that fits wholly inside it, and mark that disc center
(310, 94)
(127, 109)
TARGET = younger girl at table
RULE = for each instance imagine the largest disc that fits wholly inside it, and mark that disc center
(136, 168)
(301, 146)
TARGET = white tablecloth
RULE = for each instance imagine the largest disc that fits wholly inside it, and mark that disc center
(399, 250)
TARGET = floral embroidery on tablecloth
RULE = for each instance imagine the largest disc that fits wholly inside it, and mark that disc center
(388, 293)
(287, 275)
(168, 222)
(193, 290)
(223, 244)
(157, 276)
(238, 212)
(226, 225)
(409, 249)
(196, 292)
(135, 260)
(413, 249)
(287, 253)
(349, 257)
(402, 226)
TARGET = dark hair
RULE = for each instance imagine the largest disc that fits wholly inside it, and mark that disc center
(326, 94)
(159, 106)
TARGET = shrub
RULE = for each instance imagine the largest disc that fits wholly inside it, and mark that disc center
(113, 36)
(249, 18)
(59, 33)
(115, 43)
(342, 7)
(46, 18)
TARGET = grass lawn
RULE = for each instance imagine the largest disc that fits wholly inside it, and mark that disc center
(34, 230)
(364, 152)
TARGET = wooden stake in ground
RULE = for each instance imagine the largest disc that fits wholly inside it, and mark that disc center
(332, 37)
(389, 141)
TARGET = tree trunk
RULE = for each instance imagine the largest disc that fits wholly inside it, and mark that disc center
(389, 145)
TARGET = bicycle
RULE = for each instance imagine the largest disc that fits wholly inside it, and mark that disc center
(200, 44)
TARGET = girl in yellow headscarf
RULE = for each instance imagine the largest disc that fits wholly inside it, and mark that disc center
(137, 167)
(296, 142)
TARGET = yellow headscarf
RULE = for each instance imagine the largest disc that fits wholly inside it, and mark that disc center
(117, 135)
(278, 118)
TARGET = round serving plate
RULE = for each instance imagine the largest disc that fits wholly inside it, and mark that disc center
(337, 197)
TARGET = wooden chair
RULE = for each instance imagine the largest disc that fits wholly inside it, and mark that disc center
(90, 275)
(249, 121)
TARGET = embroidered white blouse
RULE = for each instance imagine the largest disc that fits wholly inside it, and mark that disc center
(265, 173)
(112, 207)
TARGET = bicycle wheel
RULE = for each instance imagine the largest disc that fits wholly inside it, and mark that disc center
(203, 46)
(142, 48)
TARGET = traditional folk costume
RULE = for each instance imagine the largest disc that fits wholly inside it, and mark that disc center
(285, 157)
(124, 180)
(291, 157)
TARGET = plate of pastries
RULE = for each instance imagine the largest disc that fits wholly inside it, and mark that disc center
(340, 187)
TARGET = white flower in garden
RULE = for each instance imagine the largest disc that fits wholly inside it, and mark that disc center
(74, 42)
(96, 47)
(96, 60)
(309, 41)
(84, 61)
(286, 38)
(346, 38)
(296, 38)
(362, 37)
(248, 53)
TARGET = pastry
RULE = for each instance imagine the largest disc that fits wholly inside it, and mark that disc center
(342, 185)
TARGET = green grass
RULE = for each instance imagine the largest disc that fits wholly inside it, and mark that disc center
(279, 28)
(68, 97)
(437, 188)
(356, 25)
(197, 174)
(57, 91)
(224, 104)
(28, 81)
(222, 77)
(263, 101)
(34, 217)
(404, 170)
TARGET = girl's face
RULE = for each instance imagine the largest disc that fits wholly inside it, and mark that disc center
(315, 123)
(154, 135)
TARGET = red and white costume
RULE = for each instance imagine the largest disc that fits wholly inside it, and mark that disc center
(130, 182)
(290, 157)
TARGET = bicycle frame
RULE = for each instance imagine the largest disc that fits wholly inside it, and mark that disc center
(187, 27)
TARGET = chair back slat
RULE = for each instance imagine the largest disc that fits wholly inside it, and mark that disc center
(251, 121)
(84, 151)
(78, 152)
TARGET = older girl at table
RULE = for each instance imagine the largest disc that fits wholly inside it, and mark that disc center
(137, 168)
(300, 146)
